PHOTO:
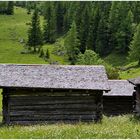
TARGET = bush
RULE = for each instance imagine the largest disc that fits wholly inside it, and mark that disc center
(112, 72)
(41, 53)
(47, 54)
(91, 58)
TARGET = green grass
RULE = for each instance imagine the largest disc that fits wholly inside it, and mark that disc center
(132, 73)
(52, 47)
(12, 29)
(116, 59)
(113, 127)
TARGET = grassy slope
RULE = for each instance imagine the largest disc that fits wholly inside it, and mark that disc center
(51, 47)
(116, 60)
(121, 61)
(12, 29)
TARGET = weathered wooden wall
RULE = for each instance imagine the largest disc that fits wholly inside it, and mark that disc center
(137, 100)
(26, 106)
(117, 105)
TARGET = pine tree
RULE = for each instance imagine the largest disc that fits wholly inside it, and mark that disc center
(84, 28)
(91, 40)
(113, 24)
(34, 34)
(10, 8)
(135, 8)
(49, 33)
(71, 43)
(47, 54)
(124, 32)
(41, 53)
(59, 17)
(28, 6)
(134, 53)
(120, 26)
(102, 38)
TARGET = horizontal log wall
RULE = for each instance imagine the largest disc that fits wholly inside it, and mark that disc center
(117, 105)
(26, 106)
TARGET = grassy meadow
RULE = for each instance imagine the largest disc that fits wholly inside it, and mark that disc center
(113, 127)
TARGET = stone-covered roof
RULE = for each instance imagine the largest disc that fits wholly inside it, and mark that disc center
(120, 88)
(54, 76)
(135, 81)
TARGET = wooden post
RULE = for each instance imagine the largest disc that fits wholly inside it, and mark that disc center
(137, 106)
(5, 107)
(99, 104)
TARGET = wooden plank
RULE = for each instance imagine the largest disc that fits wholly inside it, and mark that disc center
(50, 122)
(55, 106)
(20, 98)
(52, 117)
(46, 102)
(58, 112)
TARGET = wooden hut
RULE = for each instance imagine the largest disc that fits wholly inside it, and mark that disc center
(119, 99)
(52, 93)
(136, 93)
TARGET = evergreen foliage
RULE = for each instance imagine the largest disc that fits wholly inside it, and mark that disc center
(47, 54)
(91, 58)
(35, 34)
(134, 53)
(103, 27)
(71, 43)
(59, 17)
(41, 53)
(10, 8)
(49, 33)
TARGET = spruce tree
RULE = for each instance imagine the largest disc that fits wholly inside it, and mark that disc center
(59, 17)
(102, 38)
(124, 32)
(47, 54)
(49, 33)
(71, 43)
(135, 8)
(91, 40)
(84, 28)
(34, 34)
(120, 26)
(134, 53)
(113, 24)
(10, 8)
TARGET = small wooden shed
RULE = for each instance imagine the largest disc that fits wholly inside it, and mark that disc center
(52, 93)
(136, 93)
(119, 100)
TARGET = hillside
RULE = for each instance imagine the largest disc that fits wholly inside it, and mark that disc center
(14, 28)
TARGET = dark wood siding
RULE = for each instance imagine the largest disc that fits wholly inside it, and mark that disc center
(117, 105)
(33, 106)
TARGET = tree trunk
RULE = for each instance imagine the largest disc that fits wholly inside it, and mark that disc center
(139, 62)
(34, 49)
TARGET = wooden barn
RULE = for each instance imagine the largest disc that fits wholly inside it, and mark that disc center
(119, 100)
(52, 93)
(136, 82)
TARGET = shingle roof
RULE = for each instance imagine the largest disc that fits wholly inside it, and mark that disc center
(120, 88)
(135, 81)
(54, 76)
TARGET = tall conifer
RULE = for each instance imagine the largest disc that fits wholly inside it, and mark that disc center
(34, 34)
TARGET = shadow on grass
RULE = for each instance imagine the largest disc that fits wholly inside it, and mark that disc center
(135, 119)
